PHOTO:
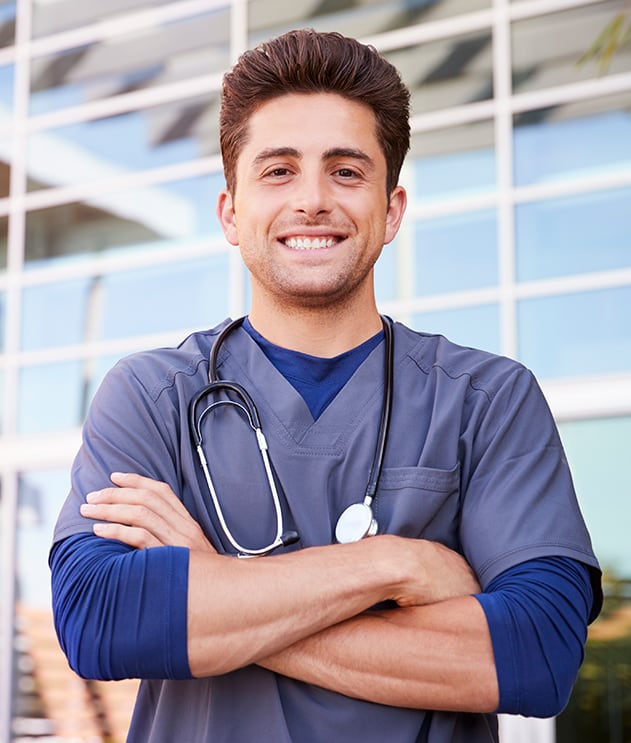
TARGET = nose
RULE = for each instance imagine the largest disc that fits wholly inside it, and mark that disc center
(312, 195)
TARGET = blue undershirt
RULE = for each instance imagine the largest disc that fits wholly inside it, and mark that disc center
(317, 379)
(135, 601)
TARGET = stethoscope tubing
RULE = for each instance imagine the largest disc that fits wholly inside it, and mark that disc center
(247, 406)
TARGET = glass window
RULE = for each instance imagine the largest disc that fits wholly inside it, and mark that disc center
(590, 137)
(163, 298)
(600, 706)
(63, 15)
(56, 314)
(576, 334)
(160, 216)
(453, 162)
(4, 240)
(101, 148)
(575, 234)
(448, 72)
(157, 55)
(6, 96)
(7, 24)
(546, 49)
(1, 402)
(386, 273)
(6, 161)
(476, 327)
(358, 18)
(151, 299)
(51, 396)
(49, 700)
(456, 253)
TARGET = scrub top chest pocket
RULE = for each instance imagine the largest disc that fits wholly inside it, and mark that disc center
(420, 503)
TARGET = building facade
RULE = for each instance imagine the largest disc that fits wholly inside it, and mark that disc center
(517, 240)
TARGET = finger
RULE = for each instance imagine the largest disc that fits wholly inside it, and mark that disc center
(128, 510)
(133, 536)
(156, 487)
(148, 492)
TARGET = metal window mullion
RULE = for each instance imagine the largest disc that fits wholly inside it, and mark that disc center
(121, 25)
(502, 76)
(237, 272)
(15, 253)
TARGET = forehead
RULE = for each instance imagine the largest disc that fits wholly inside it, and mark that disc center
(310, 122)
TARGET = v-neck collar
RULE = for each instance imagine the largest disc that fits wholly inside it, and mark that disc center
(282, 407)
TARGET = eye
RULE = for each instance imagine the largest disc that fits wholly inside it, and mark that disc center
(346, 173)
(277, 172)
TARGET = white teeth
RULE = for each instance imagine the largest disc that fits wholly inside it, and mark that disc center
(309, 243)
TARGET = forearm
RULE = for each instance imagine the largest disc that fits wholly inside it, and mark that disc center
(435, 657)
(240, 611)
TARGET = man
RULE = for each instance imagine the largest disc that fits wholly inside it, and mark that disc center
(475, 593)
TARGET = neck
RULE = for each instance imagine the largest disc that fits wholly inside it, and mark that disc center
(324, 332)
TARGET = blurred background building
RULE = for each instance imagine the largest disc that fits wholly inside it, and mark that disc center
(517, 240)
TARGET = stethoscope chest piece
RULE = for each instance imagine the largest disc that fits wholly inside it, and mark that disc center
(355, 523)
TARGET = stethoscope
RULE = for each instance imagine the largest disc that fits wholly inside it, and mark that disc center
(357, 520)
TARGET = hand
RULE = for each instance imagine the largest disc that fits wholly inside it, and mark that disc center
(432, 572)
(142, 512)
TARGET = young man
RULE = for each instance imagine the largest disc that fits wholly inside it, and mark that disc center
(475, 593)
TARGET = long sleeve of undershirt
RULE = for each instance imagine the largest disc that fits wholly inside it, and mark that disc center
(121, 612)
(537, 613)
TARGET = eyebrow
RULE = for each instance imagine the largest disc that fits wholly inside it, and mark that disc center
(351, 152)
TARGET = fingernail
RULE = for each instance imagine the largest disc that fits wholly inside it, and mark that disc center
(91, 496)
(99, 529)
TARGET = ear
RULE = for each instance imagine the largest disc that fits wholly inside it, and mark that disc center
(394, 215)
(227, 217)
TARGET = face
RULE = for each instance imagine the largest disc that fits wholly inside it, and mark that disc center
(310, 211)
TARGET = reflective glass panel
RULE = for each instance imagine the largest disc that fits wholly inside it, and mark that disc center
(386, 273)
(2, 320)
(446, 73)
(546, 49)
(156, 217)
(6, 158)
(55, 314)
(357, 18)
(453, 161)
(1, 404)
(152, 299)
(157, 55)
(590, 137)
(571, 335)
(600, 706)
(142, 139)
(7, 24)
(456, 253)
(164, 298)
(4, 239)
(63, 15)
(6, 99)
(575, 234)
(477, 326)
(50, 702)
(51, 396)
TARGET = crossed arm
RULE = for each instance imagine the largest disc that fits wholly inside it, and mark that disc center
(306, 614)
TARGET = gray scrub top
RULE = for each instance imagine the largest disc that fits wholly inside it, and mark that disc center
(473, 461)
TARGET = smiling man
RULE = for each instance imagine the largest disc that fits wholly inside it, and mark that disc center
(422, 563)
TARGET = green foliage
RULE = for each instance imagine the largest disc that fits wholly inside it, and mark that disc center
(615, 35)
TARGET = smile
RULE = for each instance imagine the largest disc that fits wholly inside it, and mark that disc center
(310, 243)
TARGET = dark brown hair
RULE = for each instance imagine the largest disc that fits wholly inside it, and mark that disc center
(305, 61)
